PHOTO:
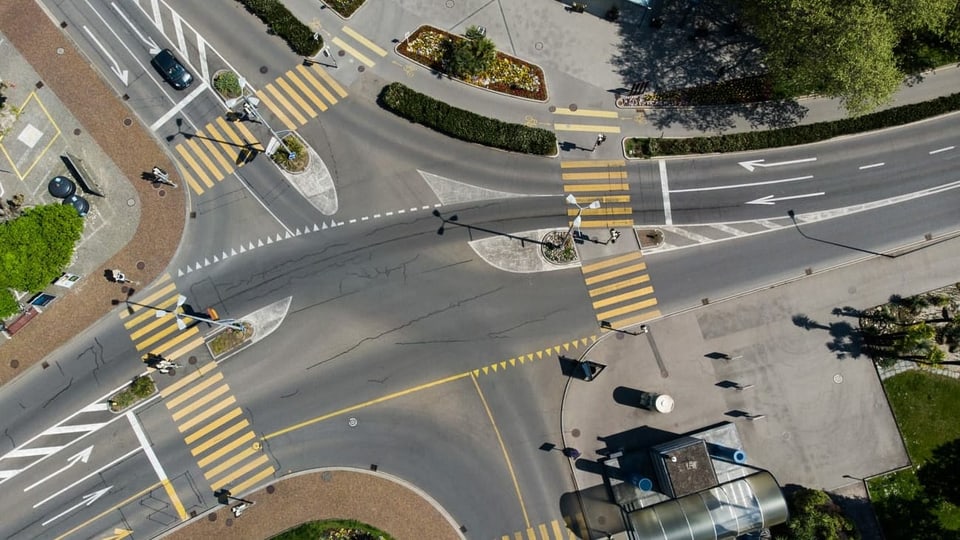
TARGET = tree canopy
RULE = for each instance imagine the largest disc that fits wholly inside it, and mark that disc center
(36, 247)
(813, 516)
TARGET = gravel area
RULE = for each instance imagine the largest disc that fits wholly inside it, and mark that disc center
(132, 149)
(372, 498)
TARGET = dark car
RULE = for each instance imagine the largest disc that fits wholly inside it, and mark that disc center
(172, 70)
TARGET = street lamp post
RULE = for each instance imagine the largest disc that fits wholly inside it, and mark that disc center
(572, 199)
(230, 323)
(250, 107)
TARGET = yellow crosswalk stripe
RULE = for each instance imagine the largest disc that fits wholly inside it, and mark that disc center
(187, 347)
(229, 149)
(531, 534)
(543, 532)
(249, 139)
(207, 413)
(587, 112)
(309, 76)
(592, 163)
(228, 130)
(602, 211)
(229, 447)
(195, 148)
(606, 289)
(629, 295)
(205, 430)
(220, 437)
(170, 343)
(607, 315)
(253, 480)
(194, 185)
(214, 394)
(557, 531)
(148, 301)
(607, 263)
(237, 473)
(157, 336)
(234, 459)
(585, 200)
(214, 151)
(296, 97)
(582, 188)
(306, 90)
(150, 315)
(353, 52)
(187, 379)
(192, 163)
(282, 100)
(331, 82)
(144, 330)
(276, 111)
(194, 390)
(606, 223)
(364, 41)
(632, 269)
(595, 175)
(636, 319)
(587, 127)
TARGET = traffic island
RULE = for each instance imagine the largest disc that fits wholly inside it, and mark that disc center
(229, 340)
(141, 388)
(558, 248)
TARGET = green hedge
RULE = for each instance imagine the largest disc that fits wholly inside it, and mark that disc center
(281, 22)
(465, 125)
(757, 140)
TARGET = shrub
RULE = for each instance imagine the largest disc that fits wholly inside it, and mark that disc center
(8, 303)
(282, 158)
(227, 84)
(821, 131)
(140, 388)
(344, 7)
(281, 22)
(36, 247)
(465, 125)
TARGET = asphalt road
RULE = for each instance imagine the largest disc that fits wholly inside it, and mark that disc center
(385, 307)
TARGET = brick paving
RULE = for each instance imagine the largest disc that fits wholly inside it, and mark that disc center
(371, 498)
(132, 148)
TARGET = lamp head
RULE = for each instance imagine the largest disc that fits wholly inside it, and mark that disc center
(594, 205)
(571, 199)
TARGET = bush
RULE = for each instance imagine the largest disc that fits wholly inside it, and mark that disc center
(344, 7)
(465, 125)
(140, 388)
(810, 133)
(37, 246)
(227, 84)
(282, 23)
(281, 157)
(8, 303)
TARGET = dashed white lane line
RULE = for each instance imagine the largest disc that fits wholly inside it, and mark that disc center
(944, 149)
(872, 166)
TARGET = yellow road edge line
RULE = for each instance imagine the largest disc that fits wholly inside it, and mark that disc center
(247, 467)
(205, 430)
(215, 393)
(607, 315)
(312, 96)
(629, 295)
(108, 510)
(590, 163)
(503, 448)
(586, 127)
(149, 299)
(369, 44)
(214, 409)
(248, 436)
(596, 113)
(239, 488)
(194, 390)
(606, 263)
(172, 493)
(618, 285)
(202, 370)
(282, 100)
(296, 96)
(310, 78)
(381, 399)
(327, 78)
(633, 268)
(353, 52)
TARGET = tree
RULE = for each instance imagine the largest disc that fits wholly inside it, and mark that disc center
(837, 48)
(813, 516)
(473, 55)
(36, 247)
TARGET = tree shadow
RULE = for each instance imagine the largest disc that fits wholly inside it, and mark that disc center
(940, 475)
(847, 340)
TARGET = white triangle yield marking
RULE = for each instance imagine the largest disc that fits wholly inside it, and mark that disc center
(278, 238)
(298, 232)
(250, 246)
(179, 273)
(216, 259)
(223, 255)
(233, 251)
(288, 235)
(324, 225)
(315, 229)
(197, 267)
(189, 269)
(269, 240)
(260, 242)
(206, 261)
(243, 249)
(333, 224)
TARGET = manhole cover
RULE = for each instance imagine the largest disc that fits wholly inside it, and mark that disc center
(341, 53)
(450, 3)
(60, 50)
(131, 202)
(256, 445)
(124, 289)
(141, 265)
(573, 107)
(77, 131)
(361, 68)
(538, 45)
(264, 69)
(162, 193)
(14, 363)
(228, 522)
(192, 360)
(271, 489)
(352, 422)
(574, 432)
(838, 378)
(552, 108)
(127, 122)
(211, 517)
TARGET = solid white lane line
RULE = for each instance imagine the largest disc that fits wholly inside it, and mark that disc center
(76, 428)
(87, 477)
(157, 20)
(872, 165)
(665, 190)
(27, 452)
(735, 186)
(145, 444)
(944, 149)
(181, 43)
(178, 106)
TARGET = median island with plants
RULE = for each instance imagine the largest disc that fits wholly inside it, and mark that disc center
(465, 125)
(648, 147)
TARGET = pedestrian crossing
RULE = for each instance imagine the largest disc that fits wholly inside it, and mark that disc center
(221, 147)
(354, 51)
(587, 115)
(620, 290)
(216, 431)
(551, 530)
(599, 180)
(159, 335)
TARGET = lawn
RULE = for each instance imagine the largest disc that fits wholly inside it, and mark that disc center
(913, 503)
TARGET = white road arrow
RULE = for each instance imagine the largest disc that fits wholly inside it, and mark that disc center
(88, 499)
(149, 42)
(750, 165)
(123, 74)
(82, 456)
(770, 199)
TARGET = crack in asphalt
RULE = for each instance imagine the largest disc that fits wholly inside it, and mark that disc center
(55, 396)
(6, 433)
(411, 322)
(291, 394)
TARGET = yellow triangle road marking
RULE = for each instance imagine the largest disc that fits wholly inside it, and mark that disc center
(485, 370)
(476, 373)
(583, 341)
(566, 346)
(593, 338)
(522, 361)
(503, 364)
(530, 357)
(493, 367)
(513, 362)
(556, 349)
(575, 344)
(540, 355)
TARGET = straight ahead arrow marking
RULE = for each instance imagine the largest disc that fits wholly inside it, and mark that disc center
(81, 456)
(87, 500)
(770, 199)
(115, 67)
(149, 42)
(752, 164)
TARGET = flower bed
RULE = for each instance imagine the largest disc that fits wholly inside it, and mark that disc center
(229, 339)
(508, 75)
